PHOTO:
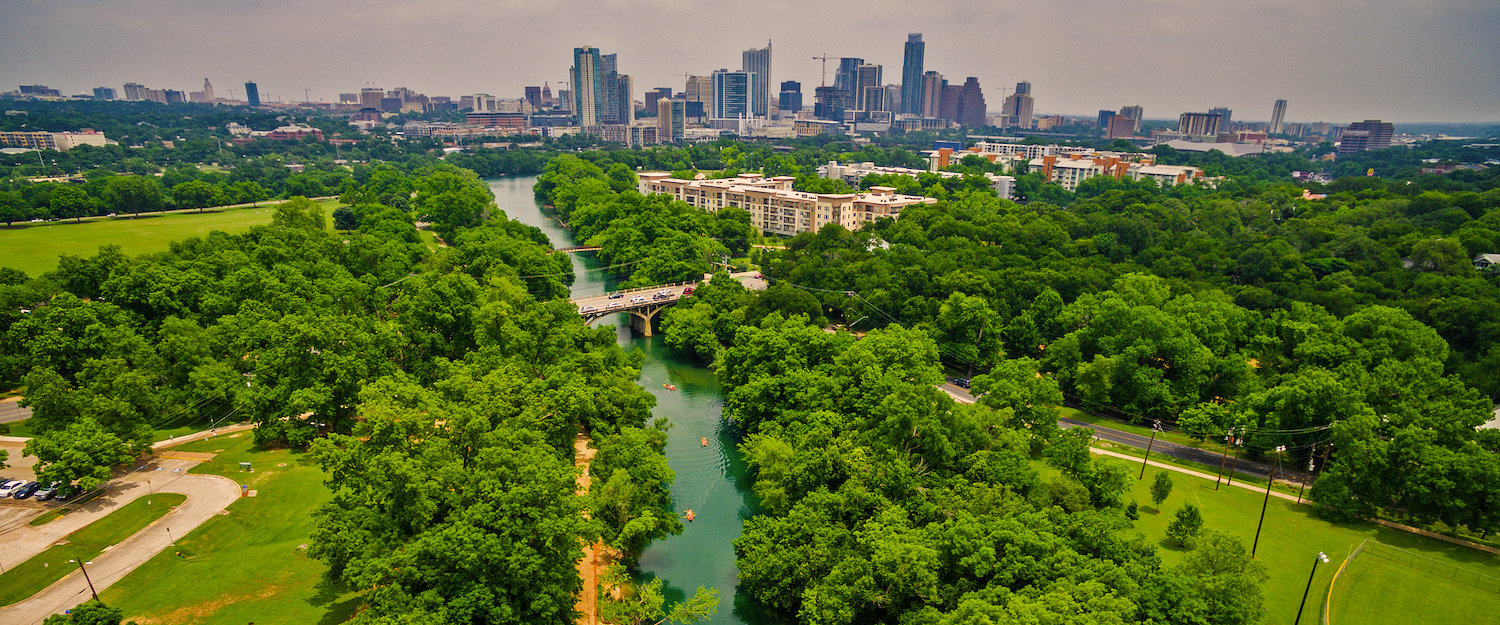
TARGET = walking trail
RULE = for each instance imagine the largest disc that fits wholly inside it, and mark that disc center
(590, 564)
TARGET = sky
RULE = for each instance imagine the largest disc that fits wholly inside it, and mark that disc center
(1333, 60)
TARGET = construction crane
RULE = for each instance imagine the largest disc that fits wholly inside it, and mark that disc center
(824, 58)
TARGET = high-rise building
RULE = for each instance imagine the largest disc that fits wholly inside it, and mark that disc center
(700, 90)
(1371, 134)
(1135, 112)
(1224, 114)
(932, 94)
(1017, 110)
(844, 78)
(1104, 118)
(671, 119)
(587, 87)
(1278, 117)
(911, 74)
(104, 93)
(865, 76)
(534, 96)
(135, 91)
(731, 94)
(1198, 124)
(624, 99)
(653, 96)
(252, 94)
(790, 100)
(949, 103)
(40, 90)
(1120, 127)
(757, 62)
(205, 96)
(609, 82)
(831, 102)
(971, 108)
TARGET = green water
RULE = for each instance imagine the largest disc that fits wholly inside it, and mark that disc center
(711, 479)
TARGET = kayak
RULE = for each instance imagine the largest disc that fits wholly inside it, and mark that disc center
(669, 387)
(704, 441)
(689, 515)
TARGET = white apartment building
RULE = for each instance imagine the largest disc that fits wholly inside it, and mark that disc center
(59, 141)
(852, 173)
(1067, 172)
(776, 208)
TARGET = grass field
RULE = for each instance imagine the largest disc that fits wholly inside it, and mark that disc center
(248, 566)
(1290, 540)
(35, 248)
(1381, 587)
(37, 573)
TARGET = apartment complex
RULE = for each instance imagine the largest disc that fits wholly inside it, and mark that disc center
(775, 208)
(852, 173)
(59, 141)
(1069, 165)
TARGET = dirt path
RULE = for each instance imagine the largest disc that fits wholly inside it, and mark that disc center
(589, 565)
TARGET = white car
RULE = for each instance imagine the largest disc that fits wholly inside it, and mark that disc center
(587, 309)
(9, 486)
(637, 299)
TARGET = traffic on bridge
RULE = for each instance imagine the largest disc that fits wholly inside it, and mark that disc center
(642, 304)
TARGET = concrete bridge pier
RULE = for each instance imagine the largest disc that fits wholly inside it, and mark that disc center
(640, 319)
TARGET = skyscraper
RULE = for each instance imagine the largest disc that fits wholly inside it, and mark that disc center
(1018, 105)
(624, 100)
(911, 75)
(700, 89)
(252, 94)
(1278, 117)
(1371, 134)
(731, 94)
(588, 78)
(609, 96)
(653, 96)
(831, 102)
(932, 94)
(135, 91)
(1224, 114)
(1198, 124)
(790, 100)
(844, 78)
(866, 76)
(534, 96)
(1135, 112)
(971, 108)
(757, 62)
(671, 117)
(370, 97)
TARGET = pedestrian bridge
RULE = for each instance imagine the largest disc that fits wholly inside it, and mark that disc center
(642, 304)
(578, 248)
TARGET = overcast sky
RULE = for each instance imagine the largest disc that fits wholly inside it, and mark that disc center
(1333, 60)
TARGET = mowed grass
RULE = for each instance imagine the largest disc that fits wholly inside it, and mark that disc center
(248, 566)
(1374, 590)
(39, 572)
(1290, 540)
(36, 248)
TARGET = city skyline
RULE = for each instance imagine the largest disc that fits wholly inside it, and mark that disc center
(1333, 63)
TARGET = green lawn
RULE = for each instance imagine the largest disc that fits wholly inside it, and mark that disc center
(1377, 590)
(247, 566)
(35, 248)
(37, 573)
(1290, 540)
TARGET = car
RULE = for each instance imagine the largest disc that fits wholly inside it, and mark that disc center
(9, 487)
(67, 491)
(664, 292)
(661, 296)
(637, 299)
(616, 295)
(47, 493)
(26, 491)
(961, 382)
(613, 305)
(587, 309)
(687, 291)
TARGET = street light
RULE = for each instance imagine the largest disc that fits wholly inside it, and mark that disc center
(1155, 427)
(1322, 557)
(1270, 479)
(86, 577)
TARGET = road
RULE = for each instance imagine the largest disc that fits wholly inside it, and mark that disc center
(641, 298)
(11, 410)
(1185, 453)
(206, 209)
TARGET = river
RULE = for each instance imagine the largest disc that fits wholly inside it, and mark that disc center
(711, 480)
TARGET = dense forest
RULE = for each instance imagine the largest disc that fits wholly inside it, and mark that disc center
(440, 390)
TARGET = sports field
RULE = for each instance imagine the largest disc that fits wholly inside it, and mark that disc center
(35, 248)
(1384, 586)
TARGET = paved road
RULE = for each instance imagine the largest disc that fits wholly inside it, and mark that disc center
(207, 496)
(209, 209)
(11, 410)
(1241, 466)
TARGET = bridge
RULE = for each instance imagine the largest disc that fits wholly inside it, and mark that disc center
(642, 304)
(578, 248)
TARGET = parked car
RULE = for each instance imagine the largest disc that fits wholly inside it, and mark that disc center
(616, 295)
(9, 487)
(27, 490)
(46, 494)
(67, 491)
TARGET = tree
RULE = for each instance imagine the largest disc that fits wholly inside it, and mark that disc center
(344, 219)
(647, 605)
(133, 194)
(81, 454)
(70, 201)
(196, 194)
(1187, 524)
(88, 613)
(12, 207)
(1161, 487)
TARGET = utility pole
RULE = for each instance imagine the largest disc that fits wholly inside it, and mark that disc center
(1271, 480)
(1155, 427)
(86, 578)
(1228, 436)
